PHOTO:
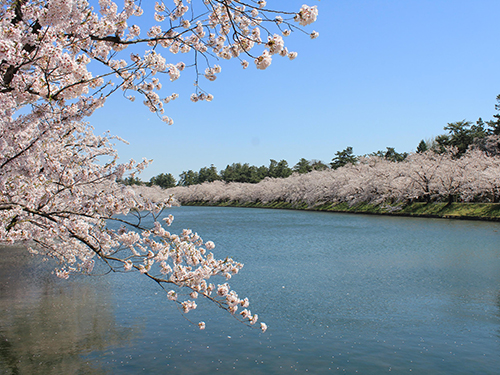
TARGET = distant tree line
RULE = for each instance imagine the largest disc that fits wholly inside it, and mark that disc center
(464, 135)
(163, 180)
(422, 177)
(460, 136)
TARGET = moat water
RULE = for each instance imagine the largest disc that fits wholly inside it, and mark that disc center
(339, 292)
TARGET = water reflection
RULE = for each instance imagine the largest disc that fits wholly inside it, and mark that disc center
(368, 294)
(341, 293)
(48, 325)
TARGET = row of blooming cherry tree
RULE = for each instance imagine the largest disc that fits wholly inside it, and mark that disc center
(426, 176)
(462, 135)
(60, 60)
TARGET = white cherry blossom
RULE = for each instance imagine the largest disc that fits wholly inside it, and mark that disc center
(59, 62)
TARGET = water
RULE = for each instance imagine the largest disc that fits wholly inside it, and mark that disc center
(340, 293)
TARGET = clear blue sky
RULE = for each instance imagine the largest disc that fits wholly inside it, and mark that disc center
(383, 73)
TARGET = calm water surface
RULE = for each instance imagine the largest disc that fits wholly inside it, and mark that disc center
(340, 293)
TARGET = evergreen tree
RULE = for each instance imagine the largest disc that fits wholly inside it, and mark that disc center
(187, 178)
(208, 174)
(343, 157)
(283, 170)
(392, 155)
(279, 169)
(303, 166)
(422, 147)
(163, 180)
(318, 165)
(131, 180)
(495, 124)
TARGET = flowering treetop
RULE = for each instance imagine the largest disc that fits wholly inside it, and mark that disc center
(46, 47)
(59, 61)
(422, 177)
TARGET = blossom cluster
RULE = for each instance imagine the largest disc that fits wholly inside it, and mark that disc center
(59, 62)
(58, 199)
(46, 46)
(185, 261)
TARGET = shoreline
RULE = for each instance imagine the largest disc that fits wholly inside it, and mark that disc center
(455, 211)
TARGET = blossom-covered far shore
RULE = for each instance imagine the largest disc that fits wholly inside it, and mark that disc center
(427, 177)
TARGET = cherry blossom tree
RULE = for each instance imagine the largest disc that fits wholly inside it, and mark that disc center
(59, 62)
(425, 177)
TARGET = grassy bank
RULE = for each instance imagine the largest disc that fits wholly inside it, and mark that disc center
(465, 211)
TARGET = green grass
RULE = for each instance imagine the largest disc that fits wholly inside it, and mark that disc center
(455, 210)
(476, 211)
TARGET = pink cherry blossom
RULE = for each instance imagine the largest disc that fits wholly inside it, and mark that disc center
(59, 182)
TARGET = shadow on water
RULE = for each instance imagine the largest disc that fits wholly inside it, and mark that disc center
(47, 325)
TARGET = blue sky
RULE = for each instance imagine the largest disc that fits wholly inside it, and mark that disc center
(383, 73)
